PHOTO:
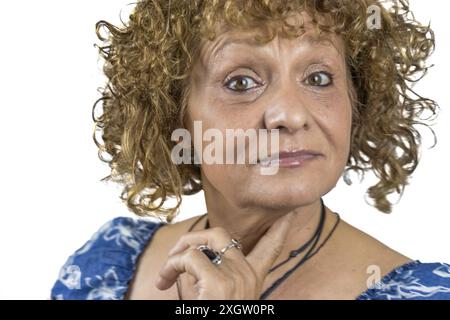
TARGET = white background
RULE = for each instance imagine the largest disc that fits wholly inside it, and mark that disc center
(51, 198)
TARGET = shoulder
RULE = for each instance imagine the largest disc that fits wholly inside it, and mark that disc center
(415, 280)
(104, 265)
(404, 278)
(357, 258)
(152, 259)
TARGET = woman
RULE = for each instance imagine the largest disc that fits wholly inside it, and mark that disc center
(332, 78)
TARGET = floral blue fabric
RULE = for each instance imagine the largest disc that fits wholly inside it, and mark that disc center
(415, 280)
(103, 268)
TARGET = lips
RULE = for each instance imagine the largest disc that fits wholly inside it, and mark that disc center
(290, 158)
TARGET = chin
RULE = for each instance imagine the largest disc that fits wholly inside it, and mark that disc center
(281, 199)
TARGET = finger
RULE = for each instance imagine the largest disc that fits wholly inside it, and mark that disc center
(216, 238)
(269, 247)
(192, 261)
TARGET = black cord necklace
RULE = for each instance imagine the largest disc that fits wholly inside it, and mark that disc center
(294, 253)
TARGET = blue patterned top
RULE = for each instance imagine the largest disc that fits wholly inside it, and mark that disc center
(104, 266)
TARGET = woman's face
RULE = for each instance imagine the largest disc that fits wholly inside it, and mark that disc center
(298, 86)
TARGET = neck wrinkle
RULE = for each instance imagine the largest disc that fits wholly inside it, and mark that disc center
(249, 225)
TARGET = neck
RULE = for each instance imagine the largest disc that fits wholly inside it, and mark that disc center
(248, 225)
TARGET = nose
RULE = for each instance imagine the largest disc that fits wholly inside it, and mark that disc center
(287, 110)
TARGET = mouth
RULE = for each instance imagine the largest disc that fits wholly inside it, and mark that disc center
(290, 159)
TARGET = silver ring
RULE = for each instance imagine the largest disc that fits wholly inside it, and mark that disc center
(212, 254)
(233, 243)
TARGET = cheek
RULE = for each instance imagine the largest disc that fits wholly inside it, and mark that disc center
(215, 174)
(339, 130)
(222, 177)
(226, 179)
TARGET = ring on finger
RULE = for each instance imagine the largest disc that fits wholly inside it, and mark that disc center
(233, 243)
(212, 254)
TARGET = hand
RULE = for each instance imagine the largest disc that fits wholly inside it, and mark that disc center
(237, 277)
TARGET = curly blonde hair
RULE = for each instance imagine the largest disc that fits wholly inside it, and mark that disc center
(148, 62)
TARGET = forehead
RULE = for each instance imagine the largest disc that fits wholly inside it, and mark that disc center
(308, 39)
(210, 50)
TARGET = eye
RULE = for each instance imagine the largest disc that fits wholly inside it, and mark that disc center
(320, 79)
(241, 83)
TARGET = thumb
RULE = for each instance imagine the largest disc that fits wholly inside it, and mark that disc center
(269, 247)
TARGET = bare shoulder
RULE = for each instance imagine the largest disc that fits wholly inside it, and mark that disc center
(151, 260)
(367, 248)
(358, 260)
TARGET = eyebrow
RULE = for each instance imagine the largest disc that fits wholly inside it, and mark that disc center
(308, 40)
(249, 41)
